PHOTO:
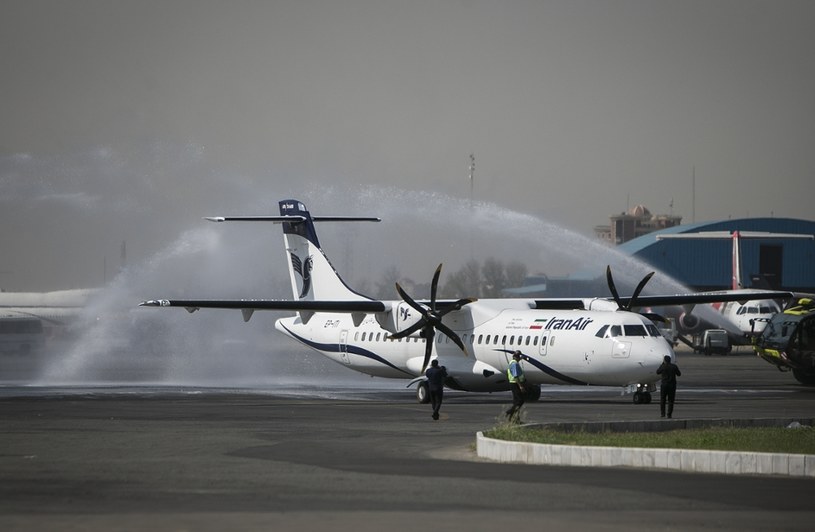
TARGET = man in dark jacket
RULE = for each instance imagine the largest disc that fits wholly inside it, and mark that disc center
(667, 389)
(435, 384)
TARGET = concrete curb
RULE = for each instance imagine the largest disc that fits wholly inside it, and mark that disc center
(698, 461)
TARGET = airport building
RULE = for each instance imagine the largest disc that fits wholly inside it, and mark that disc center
(703, 263)
(706, 263)
(636, 222)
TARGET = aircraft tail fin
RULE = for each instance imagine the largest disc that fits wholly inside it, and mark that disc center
(313, 278)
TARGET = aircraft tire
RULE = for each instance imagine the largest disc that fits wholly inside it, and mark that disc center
(422, 393)
(638, 398)
(804, 377)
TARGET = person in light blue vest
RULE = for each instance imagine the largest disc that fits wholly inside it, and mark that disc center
(516, 378)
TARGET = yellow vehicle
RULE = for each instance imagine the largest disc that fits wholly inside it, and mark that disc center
(788, 341)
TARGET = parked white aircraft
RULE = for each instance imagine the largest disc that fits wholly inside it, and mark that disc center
(26, 318)
(750, 316)
(595, 341)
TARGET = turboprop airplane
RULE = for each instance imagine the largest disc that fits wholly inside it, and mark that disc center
(750, 316)
(596, 341)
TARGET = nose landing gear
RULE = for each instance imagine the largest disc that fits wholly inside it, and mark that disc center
(642, 393)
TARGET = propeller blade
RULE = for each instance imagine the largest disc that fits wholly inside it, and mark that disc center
(428, 348)
(409, 300)
(638, 290)
(431, 320)
(453, 336)
(611, 286)
(457, 305)
(434, 285)
(407, 332)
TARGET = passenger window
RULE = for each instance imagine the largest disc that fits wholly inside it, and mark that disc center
(504, 340)
(480, 337)
(527, 340)
(534, 340)
(488, 340)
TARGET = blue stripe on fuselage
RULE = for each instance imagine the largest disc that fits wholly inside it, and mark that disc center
(350, 348)
(546, 369)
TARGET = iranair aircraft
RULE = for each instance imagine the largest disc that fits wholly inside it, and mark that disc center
(750, 316)
(593, 341)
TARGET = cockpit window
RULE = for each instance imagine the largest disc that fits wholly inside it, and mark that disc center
(635, 330)
(652, 329)
(602, 331)
(616, 331)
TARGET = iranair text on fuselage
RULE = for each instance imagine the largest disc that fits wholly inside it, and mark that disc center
(566, 324)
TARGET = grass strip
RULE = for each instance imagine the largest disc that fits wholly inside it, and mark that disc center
(765, 440)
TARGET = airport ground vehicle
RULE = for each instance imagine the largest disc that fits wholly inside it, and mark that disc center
(713, 341)
(788, 341)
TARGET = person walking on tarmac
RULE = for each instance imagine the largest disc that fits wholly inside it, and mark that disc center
(667, 388)
(436, 376)
(515, 375)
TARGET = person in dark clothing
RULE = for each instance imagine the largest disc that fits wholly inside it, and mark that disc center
(667, 389)
(436, 376)
(516, 378)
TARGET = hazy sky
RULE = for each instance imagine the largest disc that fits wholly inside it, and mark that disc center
(130, 120)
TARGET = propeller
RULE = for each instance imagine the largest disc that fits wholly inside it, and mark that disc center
(431, 318)
(634, 296)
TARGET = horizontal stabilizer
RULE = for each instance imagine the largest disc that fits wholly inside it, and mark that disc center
(294, 218)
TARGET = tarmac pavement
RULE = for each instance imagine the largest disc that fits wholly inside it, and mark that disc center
(309, 458)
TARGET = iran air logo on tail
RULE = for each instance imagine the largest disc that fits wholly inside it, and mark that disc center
(304, 269)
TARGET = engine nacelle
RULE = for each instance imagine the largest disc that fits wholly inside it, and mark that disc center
(689, 322)
(398, 318)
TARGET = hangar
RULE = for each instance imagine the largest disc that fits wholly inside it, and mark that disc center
(705, 264)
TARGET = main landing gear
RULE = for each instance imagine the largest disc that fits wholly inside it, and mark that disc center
(422, 393)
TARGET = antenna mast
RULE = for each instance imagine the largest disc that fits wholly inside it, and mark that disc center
(472, 173)
(693, 196)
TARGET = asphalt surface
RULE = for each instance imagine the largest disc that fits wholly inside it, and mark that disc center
(367, 458)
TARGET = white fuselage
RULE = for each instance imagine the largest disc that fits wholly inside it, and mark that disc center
(575, 347)
(752, 316)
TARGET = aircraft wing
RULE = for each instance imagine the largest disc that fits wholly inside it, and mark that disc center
(699, 298)
(707, 297)
(270, 304)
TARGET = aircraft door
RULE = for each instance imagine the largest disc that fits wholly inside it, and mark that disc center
(344, 347)
(544, 341)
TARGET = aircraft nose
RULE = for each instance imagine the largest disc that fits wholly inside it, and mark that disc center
(658, 355)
